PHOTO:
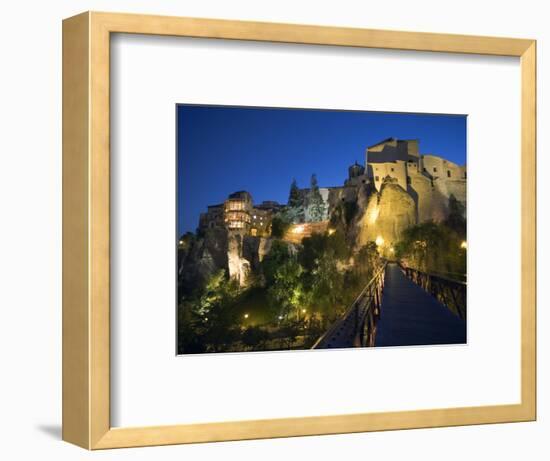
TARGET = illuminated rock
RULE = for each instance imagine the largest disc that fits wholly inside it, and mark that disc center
(238, 266)
(386, 215)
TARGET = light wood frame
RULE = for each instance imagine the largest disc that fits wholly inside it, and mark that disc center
(86, 234)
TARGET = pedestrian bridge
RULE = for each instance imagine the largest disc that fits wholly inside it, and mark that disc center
(401, 307)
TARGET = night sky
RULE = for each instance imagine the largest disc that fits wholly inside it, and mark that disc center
(223, 149)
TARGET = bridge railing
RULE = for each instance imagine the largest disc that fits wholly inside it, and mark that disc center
(449, 292)
(356, 328)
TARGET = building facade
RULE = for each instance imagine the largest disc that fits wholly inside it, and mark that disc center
(238, 214)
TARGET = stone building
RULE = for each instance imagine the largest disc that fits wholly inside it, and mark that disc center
(393, 158)
(238, 214)
(213, 218)
(238, 211)
(262, 216)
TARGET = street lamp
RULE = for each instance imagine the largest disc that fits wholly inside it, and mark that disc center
(245, 316)
(379, 241)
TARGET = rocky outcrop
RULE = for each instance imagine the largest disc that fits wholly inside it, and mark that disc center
(431, 202)
(200, 258)
(238, 266)
(386, 215)
(255, 249)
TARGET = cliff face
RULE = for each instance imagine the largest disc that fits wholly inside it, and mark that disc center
(238, 266)
(217, 249)
(201, 257)
(384, 215)
(432, 202)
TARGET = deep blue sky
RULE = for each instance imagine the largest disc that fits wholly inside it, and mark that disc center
(224, 149)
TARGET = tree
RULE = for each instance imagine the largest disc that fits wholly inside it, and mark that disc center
(294, 212)
(277, 256)
(286, 293)
(327, 286)
(294, 195)
(316, 208)
(433, 247)
(209, 322)
(367, 259)
(456, 220)
(279, 226)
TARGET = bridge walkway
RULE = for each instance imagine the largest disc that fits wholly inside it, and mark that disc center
(411, 316)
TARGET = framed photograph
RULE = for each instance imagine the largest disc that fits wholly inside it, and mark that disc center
(276, 230)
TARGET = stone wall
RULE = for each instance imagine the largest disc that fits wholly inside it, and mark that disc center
(297, 232)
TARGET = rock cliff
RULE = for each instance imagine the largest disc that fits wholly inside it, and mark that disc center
(384, 216)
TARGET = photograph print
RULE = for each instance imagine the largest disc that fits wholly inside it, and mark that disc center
(302, 229)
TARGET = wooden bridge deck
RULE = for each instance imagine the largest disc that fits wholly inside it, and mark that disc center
(410, 316)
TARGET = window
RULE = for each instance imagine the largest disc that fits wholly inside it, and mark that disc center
(376, 178)
(448, 173)
(435, 169)
(408, 179)
(464, 175)
(424, 169)
(392, 169)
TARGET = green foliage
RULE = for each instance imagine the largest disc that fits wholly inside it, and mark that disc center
(294, 195)
(456, 220)
(294, 212)
(315, 203)
(318, 245)
(286, 293)
(279, 226)
(367, 260)
(276, 257)
(208, 322)
(328, 285)
(433, 247)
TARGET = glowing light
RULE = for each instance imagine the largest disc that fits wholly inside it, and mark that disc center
(298, 230)
(331, 231)
(379, 241)
(280, 317)
(392, 250)
(464, 245)
(303, 311)
(245, 316)
(373, 215)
